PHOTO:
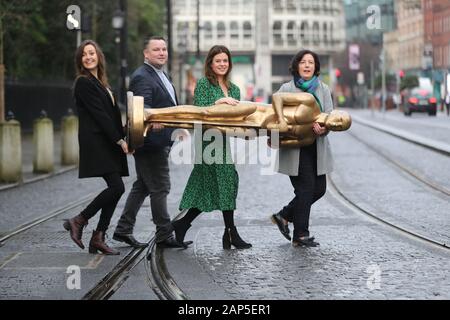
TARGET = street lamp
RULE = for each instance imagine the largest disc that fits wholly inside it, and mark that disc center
(198, 66)
(118, 20)
(119, 24)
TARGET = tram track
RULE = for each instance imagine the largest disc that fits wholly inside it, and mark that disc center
(158, 277)
(112, 282)
(411, 172)
(35, 222)
(341, 197)
(54, 213)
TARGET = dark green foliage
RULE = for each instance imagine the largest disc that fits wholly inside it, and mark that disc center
(409, 82)
(38, 46)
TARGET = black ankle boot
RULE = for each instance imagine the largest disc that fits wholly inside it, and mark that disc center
(180, 227)
(231, 237)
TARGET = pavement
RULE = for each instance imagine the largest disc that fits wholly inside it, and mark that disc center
(358, 258)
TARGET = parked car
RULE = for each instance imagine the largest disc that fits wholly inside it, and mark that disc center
(420, 99)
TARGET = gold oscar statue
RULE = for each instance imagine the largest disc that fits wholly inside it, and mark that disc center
(291, 114)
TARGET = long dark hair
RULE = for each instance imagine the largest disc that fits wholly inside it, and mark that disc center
(293, 68)
(209, 73)
(101, 68)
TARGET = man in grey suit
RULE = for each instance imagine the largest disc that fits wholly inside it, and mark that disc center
(152, 159)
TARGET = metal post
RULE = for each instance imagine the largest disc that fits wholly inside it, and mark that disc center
(372, 85)
(169, 35)
(383, 82)
(198, 30)
(123, 52)
(78, 37)
(2, 76)
(2, 92)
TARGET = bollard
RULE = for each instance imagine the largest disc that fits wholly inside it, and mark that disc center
(69, 140)
(10, 151)
(43, 145)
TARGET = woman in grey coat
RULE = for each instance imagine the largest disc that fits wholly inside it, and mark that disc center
(306, 166)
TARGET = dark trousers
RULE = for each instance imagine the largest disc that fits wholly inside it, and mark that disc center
(308, 188)
(106, 201)
(152, 169)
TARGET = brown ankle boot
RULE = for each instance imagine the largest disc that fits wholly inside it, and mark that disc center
(75, 226)
(98, 243)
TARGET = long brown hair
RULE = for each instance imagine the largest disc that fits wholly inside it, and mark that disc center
(209, 73)
(101, 68)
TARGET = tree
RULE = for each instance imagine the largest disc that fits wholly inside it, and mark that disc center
(36, 45)
(15, 15)
(409, 82)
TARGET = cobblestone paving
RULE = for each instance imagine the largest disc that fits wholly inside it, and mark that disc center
(376, 185)
(338, 269)
(353, 249)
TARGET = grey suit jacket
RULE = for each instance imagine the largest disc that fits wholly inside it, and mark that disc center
(288, 159)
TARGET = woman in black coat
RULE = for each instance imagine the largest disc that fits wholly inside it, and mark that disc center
(102, 148)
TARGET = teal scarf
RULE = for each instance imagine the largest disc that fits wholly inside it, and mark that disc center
(309, 86)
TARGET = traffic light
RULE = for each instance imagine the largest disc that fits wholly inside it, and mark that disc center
(401, 74)
(337, 73)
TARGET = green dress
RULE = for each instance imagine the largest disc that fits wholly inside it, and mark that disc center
(212, 186)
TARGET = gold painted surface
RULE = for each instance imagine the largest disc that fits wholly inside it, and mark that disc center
(291, 114)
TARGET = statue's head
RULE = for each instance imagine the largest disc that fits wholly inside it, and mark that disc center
(338, 120)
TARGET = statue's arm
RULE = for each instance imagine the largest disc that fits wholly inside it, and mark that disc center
(278, 100)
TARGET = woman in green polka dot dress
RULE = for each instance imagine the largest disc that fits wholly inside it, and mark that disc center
(213, 186)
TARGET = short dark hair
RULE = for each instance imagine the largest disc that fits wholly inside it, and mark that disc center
(209, 73)
(148, 39)
(293, 68)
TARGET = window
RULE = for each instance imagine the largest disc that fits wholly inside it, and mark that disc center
(304, 33)
(316, 33)
(290, 5)
(278, 5)
(182, 31)
(207, 29)
(277, 33)
(247, 30)
(291, 33)
(234, 30)
(305, 5)
(221, 32)
(325, 33)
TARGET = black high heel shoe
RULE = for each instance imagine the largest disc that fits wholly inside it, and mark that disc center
(181, 227)
(231, 237)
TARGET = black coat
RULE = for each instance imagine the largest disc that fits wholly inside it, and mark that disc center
(145, 82)
(100, 127)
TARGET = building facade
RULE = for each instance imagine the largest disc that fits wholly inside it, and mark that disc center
(262, 35)
(437, 44)
(437, 31)
(404, 46)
